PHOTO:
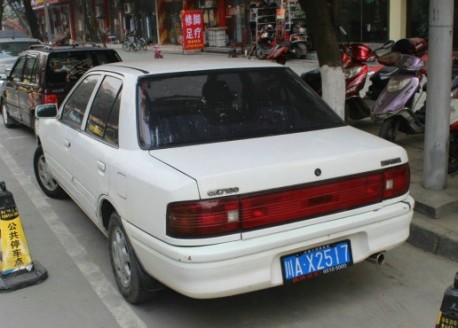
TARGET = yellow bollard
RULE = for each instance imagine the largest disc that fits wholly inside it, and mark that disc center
(17, 270)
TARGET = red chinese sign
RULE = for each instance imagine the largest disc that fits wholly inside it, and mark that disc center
(192, 25)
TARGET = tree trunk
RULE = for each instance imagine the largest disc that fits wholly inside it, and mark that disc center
(323, 32)
(31, 19)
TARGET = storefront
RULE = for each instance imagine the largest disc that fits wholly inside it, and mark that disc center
(364, 20)
(60, 13)
(418, 20)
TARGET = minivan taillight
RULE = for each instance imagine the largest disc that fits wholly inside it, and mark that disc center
(49, 98)
(220, 216)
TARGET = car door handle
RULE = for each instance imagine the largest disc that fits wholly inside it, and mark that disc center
(67, 143)
(101, 166)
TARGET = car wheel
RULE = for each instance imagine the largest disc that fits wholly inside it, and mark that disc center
(133, 282)
(44, 178)
(7, 120)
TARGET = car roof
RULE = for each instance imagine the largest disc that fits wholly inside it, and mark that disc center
(18, 40)
(185, 64)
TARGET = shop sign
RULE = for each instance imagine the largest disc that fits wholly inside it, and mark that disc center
(41, 3)
(192, 25)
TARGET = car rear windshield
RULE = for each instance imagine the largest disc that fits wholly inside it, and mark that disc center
(212, 106)
(65, 67)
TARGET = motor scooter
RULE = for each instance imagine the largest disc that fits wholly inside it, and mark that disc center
(297, 39)
(268, 46)
(396, 110)
(355, 56)
(409, 46)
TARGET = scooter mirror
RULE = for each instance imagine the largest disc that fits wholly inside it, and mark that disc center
(388, 44)
(342, 30)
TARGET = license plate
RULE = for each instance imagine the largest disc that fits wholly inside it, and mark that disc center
(313, 262)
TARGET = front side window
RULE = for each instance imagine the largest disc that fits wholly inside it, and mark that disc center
(18, 69)
(104, 114)
(212, 106)
(76, 105)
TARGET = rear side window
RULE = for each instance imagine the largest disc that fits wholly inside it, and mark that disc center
(76, 105)
(31, 71)
(65, 67)
(103, 117)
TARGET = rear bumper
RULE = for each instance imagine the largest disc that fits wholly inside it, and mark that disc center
(247, 265)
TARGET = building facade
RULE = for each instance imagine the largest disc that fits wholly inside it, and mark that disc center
(158, 21)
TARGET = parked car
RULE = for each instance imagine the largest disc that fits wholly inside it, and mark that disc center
(219, 177)
(44, 75)
(9, 50)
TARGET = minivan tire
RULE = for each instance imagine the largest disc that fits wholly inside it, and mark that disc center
(7, 120)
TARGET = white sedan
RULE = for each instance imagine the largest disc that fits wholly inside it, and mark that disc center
(220, 177)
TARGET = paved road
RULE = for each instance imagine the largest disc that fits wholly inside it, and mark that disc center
(80, 291)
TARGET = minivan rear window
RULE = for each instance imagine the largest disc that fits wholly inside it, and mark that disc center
(68, 67)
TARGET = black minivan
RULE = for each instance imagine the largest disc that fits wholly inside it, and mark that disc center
(45, 74)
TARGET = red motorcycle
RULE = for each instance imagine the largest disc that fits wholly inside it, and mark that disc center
(355, 56)
(293, 46)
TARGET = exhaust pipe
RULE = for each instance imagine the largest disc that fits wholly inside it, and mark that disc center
(377, 258)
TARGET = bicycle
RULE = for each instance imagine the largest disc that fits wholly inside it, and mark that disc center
(130, 43)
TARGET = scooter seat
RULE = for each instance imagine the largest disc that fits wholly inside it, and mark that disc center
(313, 79)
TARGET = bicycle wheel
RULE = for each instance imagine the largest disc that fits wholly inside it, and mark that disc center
(125, 46)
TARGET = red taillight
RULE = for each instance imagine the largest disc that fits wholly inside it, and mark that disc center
(311, 201)
(49, 99)
(205, 218)
(236, 214)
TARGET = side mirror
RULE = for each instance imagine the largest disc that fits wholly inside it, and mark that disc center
(47, 110)
(3, 76)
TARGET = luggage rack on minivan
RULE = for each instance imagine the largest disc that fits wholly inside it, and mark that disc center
(71, 46)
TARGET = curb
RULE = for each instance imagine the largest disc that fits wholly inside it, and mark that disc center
(432, 238)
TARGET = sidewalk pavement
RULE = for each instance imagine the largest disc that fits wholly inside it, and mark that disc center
(434, 226)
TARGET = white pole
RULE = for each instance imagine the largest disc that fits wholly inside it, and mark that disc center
(438, 96)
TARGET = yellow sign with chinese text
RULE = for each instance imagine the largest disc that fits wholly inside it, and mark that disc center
(14, 250)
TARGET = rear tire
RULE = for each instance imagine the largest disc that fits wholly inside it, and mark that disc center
(390, 128)
(133, 282)
(7, 120)
(259, 54)
(298, 50)
(453, 153)
(44, 178)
